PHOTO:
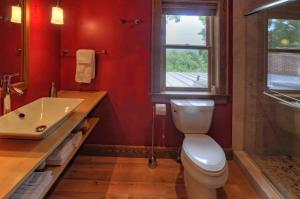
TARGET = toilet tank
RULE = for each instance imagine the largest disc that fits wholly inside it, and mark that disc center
(192, 116)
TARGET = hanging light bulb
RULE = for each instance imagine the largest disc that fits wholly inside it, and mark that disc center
(57, 16)
(16, 14)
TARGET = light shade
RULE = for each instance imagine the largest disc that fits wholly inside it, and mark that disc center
(16, 14)
(57, 15)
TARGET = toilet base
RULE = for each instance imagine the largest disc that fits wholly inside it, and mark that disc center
(195, 190)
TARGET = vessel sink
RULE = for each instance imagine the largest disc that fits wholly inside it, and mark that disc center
(38, 119)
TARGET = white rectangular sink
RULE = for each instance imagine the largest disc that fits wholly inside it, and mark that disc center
(38, 119)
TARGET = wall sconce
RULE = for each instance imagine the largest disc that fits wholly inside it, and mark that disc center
(16, 13)
(57, 16)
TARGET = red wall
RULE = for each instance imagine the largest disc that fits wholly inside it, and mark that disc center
(10, 41)
(44, 52)
(124, 72)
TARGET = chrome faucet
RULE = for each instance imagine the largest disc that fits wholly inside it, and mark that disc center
(6, 83)
(7, 79)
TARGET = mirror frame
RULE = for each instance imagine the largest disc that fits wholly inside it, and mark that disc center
(25, 38)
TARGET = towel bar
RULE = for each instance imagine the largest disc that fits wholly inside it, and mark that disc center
(66, 53)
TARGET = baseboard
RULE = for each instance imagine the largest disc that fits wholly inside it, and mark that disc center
(228, 153)
(135, 151)
(261, 183)
(128, 151)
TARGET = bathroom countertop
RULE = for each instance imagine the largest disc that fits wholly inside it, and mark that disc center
(19, 158)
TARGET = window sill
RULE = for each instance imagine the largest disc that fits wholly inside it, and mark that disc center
(165, 96)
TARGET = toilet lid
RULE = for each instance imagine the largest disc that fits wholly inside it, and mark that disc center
(204, 152)
(193, 102)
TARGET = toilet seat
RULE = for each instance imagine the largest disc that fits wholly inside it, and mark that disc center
(206, 155)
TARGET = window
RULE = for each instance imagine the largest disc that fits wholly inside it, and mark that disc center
(283, 55)
(187, 52)
(187, 38)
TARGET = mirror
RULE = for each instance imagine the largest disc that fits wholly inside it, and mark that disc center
(278, 33)
(14, 33)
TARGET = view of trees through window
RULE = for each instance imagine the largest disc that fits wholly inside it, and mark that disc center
(179, 60)
(186, 51)
(284, 33)
(284, 54)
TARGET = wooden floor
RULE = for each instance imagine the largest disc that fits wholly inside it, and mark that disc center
(115, 177)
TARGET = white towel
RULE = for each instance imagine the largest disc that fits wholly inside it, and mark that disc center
(85, 66)
(34, 186)
(61, 153)
(77, 139)
(31, 192)
(36, 178)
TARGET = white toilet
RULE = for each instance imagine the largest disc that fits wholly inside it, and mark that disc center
(204, 161)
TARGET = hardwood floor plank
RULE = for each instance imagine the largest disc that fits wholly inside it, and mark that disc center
(91, 186)
(238, 186)
(94, 177)
(64, 195)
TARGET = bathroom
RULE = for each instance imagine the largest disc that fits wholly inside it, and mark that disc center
(178, 99)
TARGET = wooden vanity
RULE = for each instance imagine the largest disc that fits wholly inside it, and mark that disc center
(19, 158)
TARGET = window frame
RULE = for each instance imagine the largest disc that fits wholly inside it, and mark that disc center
(220, 63)
(208, 47)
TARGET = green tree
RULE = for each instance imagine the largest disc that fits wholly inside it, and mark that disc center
(176, 18)
(187, 60)
(180, 60)
(203, 31)
(284, 33)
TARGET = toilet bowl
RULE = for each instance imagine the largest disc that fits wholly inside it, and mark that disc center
(203, 160)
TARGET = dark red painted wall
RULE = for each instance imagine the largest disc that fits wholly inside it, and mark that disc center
(44, 52)
(10, 40)
(124, 72)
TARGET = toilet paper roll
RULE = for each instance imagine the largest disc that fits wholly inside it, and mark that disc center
(161, 109)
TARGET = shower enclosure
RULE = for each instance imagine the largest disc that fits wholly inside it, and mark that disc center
(272, 126)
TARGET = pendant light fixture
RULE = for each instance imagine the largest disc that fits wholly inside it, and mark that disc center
(57, 16)
(16, 13)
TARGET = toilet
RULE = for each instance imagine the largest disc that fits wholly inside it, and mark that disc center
(203, 160)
